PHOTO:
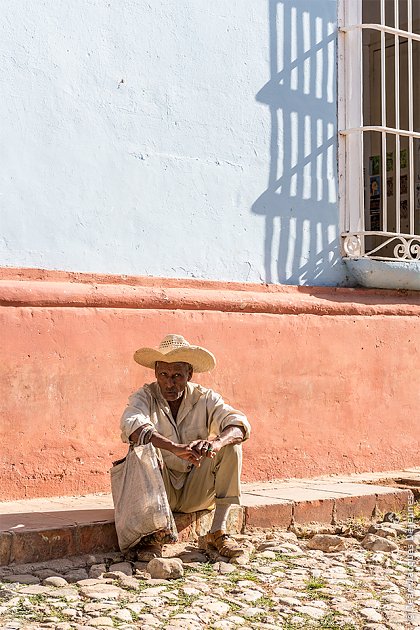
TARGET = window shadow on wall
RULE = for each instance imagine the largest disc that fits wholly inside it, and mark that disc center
(300, 203)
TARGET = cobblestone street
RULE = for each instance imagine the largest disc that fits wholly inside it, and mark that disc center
(283, 580)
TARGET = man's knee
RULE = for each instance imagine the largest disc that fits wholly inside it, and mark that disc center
(230, 455)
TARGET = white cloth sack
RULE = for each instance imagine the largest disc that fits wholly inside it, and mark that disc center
(140, 501)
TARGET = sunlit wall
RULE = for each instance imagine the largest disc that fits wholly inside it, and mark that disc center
(171, 139)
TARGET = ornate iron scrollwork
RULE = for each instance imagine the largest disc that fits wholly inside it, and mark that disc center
(353, 246)
(393, 247)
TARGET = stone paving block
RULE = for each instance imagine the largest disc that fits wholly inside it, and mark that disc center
(35, 546)
(317, 511)
(236, 519)
(394, 501)
(203, 521)
(277, 514)
(96, 537)
(185, 526)
(211, 595)
(5, 547)
(354, 507)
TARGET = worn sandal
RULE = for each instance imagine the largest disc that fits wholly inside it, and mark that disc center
(147, 552)
(148, 548)
(224, 544)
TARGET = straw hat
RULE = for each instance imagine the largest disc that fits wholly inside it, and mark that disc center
(174, 349)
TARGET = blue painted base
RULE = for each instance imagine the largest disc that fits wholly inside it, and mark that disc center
(385, 274)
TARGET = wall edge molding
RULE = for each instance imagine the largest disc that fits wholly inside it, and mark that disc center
(45, 289)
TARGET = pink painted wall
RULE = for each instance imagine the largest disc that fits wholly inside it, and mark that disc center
(329, 381)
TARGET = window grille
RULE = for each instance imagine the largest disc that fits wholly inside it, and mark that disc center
(379, 117)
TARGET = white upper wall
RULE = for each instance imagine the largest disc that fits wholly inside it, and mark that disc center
(170, 138)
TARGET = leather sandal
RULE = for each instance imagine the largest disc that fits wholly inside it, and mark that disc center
(147, 552)
(148, 548)
(224, 544)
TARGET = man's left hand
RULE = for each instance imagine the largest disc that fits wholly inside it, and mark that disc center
(209, 448)
(206, 448)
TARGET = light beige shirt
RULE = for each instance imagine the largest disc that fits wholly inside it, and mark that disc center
(203, 414)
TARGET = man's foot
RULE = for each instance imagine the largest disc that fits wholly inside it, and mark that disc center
(148, 551)
(224, 544)
(149, 548)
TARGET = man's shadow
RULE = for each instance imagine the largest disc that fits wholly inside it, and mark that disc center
(300, 203)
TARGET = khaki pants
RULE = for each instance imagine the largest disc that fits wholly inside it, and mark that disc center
(215, 481)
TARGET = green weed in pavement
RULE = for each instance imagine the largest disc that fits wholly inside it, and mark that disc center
(332, 622)
(243, 575)
(28, 609)
(314, 584)
(205, 567)
(287, 559)
(329, 622)
(182, 603)
(265, 602)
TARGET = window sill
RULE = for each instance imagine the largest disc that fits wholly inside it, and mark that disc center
(385, 274)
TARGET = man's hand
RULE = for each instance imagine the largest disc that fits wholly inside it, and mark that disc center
(209, 448)
(184, 451)
(197, 449)
(206, 448)
(187, 452)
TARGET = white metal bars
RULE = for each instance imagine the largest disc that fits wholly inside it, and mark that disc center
(397, 124)
(383, 121)
(357, 129)
(350, 116)
(410, 114)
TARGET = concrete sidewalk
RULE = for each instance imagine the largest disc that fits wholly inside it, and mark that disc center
(40, 529)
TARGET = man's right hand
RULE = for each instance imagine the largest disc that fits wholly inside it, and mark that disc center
(185, 451)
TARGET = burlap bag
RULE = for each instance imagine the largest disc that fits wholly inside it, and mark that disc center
(140, 501)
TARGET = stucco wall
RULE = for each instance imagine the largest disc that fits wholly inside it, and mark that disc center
(177, 139)
(325, 375)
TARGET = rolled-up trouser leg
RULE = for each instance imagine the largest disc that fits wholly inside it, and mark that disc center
(215, 481)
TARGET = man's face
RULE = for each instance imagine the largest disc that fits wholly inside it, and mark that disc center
(172, 378)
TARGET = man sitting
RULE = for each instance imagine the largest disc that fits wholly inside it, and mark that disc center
(198, 435)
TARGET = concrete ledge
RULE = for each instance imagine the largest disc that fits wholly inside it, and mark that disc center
(28, 536)
(44, 543)
(385, 274)
(193, 296)
(325, 511)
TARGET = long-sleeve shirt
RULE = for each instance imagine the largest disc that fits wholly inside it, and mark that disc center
(203, 415)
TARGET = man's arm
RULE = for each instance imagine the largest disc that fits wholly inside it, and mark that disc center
(184, 451)
(222, 416)
(229, 435)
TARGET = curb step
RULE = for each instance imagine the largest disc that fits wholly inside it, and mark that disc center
(29, 536)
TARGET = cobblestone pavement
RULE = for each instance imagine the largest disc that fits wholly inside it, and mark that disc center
(345, 581)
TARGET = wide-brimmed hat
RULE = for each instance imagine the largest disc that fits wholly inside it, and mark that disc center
(174, 349)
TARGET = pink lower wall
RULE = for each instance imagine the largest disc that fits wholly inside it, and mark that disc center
(329, 378)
